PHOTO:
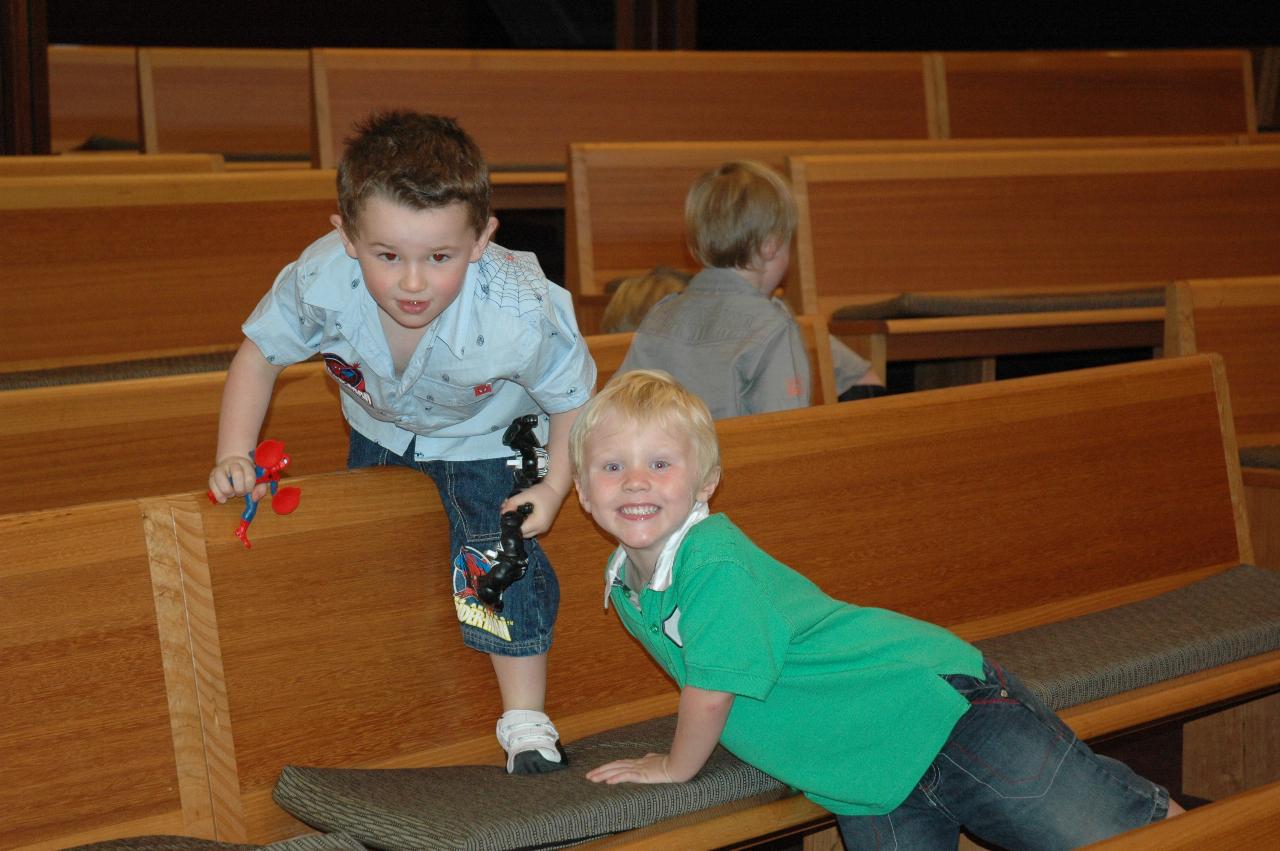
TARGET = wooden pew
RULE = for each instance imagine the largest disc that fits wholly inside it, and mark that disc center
(157, 435)
(625, 200)
(1248, 819)
(323, 644)
(93, 91)
(525, 106)
(101, 714)
(149, 435)
(173, 263)
(107, 163)
(1240, 320)
(1000, 223)
(247, 104)
(1095, 93)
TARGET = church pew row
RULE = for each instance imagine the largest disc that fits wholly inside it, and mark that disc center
(140, 436)
(175, 262)
(1073, 232)
(50, 165)
(160, 675)
(1239, 318)
(625, 200)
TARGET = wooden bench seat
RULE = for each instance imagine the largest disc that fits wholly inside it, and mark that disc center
(157, 435)
(93, 94)
(1029, 223)
(329, 643)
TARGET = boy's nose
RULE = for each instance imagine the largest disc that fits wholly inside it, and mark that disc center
(635, 481)
(415, 281)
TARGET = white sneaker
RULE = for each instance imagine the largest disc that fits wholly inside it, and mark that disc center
(531, 742)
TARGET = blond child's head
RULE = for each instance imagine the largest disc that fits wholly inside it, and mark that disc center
(644, 453)
(633, 297)
(416, 160)
(733, 213)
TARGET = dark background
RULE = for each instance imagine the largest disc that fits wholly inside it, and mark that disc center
(720, 24)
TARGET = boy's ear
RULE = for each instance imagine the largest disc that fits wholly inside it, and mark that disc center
(482, 241)
(709, 485)
(582, 495)
(336, 221)
(769, 248)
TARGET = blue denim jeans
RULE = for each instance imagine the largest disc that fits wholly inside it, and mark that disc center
(1013, 774)
(471, 492)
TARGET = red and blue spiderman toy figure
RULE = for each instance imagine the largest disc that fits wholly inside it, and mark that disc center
(269, 461)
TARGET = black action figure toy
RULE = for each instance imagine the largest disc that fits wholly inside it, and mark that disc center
(510, 559)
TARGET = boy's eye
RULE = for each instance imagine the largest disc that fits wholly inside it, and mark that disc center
(439, 257)
(389, 256)
(660, 465)
(612, 467)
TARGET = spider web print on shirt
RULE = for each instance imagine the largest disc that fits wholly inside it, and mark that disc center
(514, 281)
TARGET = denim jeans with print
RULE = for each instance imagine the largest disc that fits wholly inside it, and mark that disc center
(1013, 774)
(472, 492)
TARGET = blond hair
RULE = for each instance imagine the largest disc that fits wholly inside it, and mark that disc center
(633, 297)
(642, 397)
(417, 160)
(731, 211)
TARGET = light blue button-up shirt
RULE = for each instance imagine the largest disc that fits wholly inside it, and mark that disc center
(507, 346)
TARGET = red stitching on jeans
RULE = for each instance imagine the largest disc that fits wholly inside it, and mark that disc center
(992, 700)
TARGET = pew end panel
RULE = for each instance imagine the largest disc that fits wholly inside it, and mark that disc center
(43, 165)
(101, 735)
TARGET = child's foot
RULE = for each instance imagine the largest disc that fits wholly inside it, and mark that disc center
(531, 742)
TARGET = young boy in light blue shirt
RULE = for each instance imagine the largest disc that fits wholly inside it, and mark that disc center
(438, 339)
(897, 726)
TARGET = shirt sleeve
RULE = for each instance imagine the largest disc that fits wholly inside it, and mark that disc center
(734, 639)
(777, 377)
(282, 326)
(563, 374)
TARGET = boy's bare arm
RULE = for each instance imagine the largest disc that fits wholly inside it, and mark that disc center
(250, 380)
(698, 728)
(548, 494)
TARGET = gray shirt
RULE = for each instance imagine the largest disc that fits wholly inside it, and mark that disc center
(727, 342)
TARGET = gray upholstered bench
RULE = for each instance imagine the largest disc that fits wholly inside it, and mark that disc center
(915, 305)
(1218, 620)
(311, 842)
(1260, 456)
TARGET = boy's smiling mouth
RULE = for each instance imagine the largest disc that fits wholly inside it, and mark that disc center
(638, 512)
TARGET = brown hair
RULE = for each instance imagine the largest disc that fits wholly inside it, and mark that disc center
(633, 297)
(418, 160)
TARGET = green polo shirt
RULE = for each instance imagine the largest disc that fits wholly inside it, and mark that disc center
(846, 704)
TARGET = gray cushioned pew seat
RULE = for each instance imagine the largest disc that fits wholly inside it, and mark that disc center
(1221, 619)
(313, 842)
(1260, 456)
(912, 305)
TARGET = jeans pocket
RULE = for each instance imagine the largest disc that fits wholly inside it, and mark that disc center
(1006, 747)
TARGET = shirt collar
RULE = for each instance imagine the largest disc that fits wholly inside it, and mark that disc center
(661, 579)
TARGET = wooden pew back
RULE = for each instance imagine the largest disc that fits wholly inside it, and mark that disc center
(108, 163)
(1096, 93)
(243, 103)
(1030, 221)
(1240, 320)
(525, 106)
(93, 91)
(116, 266)
(625, 200)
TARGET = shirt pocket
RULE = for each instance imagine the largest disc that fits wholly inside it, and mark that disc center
(446, 402)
